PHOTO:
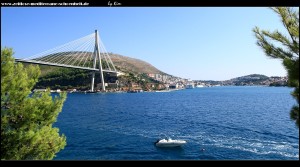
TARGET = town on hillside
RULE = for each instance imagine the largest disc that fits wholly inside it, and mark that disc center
(134, 83)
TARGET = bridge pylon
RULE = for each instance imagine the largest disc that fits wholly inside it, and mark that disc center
(95, 57)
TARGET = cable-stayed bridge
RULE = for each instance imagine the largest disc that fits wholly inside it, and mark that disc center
(87, 53)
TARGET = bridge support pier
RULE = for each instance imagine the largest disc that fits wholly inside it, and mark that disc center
(93, 81)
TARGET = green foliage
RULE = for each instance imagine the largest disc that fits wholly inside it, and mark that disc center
(64, 78)
(255, 79)
(276, 84)
(287, 50)
(26, 119)
(141, 79)
(68, 78)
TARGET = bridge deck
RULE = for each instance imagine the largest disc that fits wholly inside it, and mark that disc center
(62, 65)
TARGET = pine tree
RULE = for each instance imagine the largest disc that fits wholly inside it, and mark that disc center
(285, 47)
(26, 119)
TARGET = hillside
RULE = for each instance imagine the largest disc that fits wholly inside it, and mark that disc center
(135, 71)
(257, 79)
(125, 63)
(253, 78)
(122, 63)
(249, 80)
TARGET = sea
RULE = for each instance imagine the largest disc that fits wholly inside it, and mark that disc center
(218, 123)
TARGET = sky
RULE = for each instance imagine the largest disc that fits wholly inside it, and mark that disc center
(197, 43)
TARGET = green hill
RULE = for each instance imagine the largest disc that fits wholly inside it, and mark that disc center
(253, 79)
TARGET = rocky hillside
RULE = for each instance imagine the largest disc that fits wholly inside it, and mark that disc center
(125, 63)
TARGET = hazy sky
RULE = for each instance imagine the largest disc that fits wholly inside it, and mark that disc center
(199, 43)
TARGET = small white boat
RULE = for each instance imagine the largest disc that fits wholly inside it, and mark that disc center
(169, 143)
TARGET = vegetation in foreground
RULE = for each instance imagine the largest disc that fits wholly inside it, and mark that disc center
(27, 119)
(286, 48)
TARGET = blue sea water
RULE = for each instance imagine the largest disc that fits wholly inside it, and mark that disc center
(218, 123)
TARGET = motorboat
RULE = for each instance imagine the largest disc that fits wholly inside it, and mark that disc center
(169, 143)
